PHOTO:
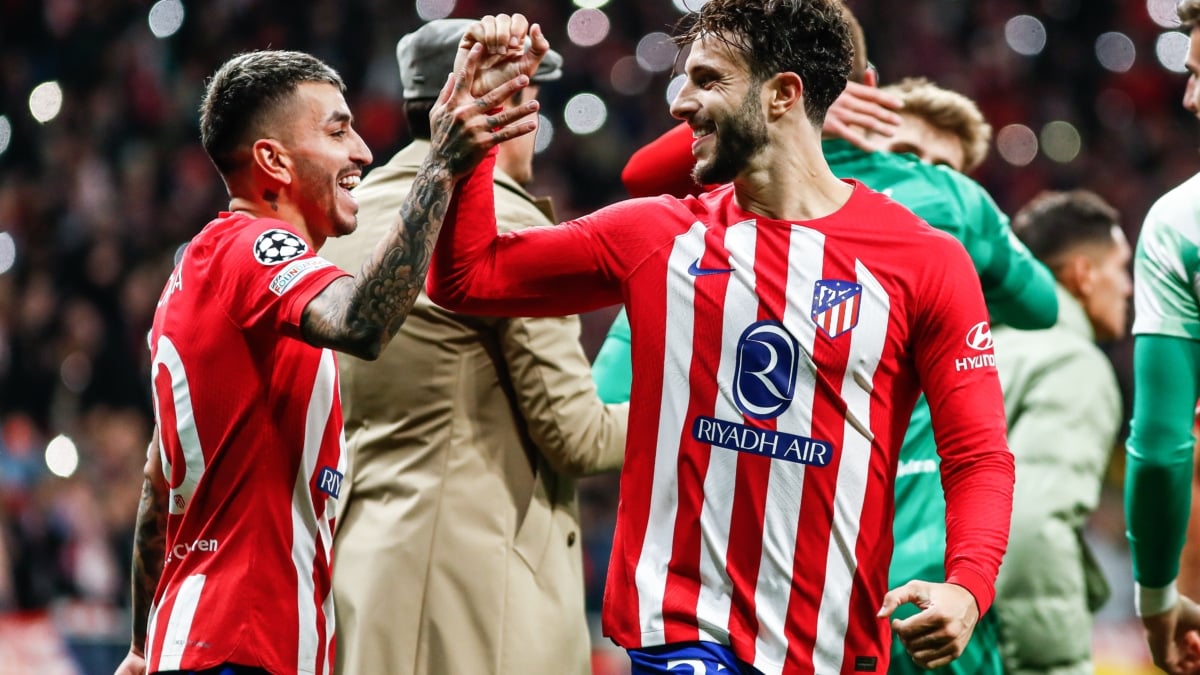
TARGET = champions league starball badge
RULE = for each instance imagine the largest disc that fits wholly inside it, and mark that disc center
(276, 246)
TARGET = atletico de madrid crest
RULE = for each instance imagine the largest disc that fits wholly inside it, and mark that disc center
(835, 306)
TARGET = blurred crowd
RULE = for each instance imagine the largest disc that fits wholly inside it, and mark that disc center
(95, 202)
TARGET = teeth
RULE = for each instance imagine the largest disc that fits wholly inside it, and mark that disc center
(349, 182)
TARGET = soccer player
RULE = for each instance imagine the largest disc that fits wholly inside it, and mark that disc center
(782, 327)
(231, 559)
(1166, 371)
(465, 438)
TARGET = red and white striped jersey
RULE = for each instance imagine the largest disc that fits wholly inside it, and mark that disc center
(775, 366)
(250, 430)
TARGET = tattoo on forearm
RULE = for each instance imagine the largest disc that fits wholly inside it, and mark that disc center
(370, 309)
(149, 551)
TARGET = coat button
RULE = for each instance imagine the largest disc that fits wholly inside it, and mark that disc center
(571, 539)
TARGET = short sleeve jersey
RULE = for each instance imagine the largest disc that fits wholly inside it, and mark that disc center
(250, 432)
(1166, 267)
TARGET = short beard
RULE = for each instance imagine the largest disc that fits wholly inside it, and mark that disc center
(739, 139)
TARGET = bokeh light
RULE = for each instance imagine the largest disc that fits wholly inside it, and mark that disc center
(545, 134)
(8, 252)
(1061, 141)
(1171, 51)
(628, 78)
(166, 18)
(5, 133)
(1017, 144)
(45, 101)
(1162, 12)
(686, 6)
(585, 113)
(1115, 51)
(587, 27)
(1025, 35)
(674, 86)
(62, 457)
(656, 53)
(430, 10)
(590, 4)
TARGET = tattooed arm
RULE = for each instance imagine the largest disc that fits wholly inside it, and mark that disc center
(149, 553)
(360, 315)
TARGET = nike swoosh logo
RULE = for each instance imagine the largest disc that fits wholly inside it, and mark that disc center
(697, 271)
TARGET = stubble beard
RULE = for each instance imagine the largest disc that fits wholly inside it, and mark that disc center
(739, 138)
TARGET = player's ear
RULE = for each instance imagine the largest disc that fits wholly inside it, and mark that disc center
(784, 91)
(271, 159)
(1077, 275)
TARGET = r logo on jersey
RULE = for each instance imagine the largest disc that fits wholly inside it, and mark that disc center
(764, 378)
(329, 481)
(276, 246)
(835, 306)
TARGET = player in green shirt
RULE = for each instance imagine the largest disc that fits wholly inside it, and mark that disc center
(1166, 369)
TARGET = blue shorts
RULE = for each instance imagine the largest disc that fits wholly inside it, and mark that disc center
(689, 658)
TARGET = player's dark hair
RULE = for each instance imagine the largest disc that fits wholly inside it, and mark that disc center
(1053, 223)
(1189, 13)
(806, 37)
(244, 92)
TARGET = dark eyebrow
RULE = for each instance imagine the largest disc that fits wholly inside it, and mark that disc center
(338, 117)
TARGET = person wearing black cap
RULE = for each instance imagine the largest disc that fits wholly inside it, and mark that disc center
(458, 548)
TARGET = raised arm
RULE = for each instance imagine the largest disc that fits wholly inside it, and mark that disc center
(1019, 290)
(149, 554)
(359, 315)
(663, 166)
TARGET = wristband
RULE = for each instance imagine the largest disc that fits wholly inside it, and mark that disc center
(1154, 601)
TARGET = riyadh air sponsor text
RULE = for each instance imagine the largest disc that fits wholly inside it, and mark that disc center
(766, 442)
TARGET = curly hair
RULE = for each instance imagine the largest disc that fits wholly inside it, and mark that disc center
(949, 111)
(242, 94)
(1189, 13)
(808, 37)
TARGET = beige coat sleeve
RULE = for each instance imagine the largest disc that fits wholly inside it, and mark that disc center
(552, 384)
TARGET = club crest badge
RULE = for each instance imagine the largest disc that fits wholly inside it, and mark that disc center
(835, 306)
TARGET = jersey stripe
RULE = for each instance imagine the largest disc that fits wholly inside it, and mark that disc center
(650, 576)
(866, 350)
(304, 516)
(183, 611)
(716, 589)
(786, 487)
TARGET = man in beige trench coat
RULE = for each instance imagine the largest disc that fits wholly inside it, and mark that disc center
(457, 549)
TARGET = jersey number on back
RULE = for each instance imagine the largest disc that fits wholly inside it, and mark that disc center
(177, 435)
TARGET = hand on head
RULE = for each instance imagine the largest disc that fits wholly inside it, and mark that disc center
(860, 113)
(505, 52)
(464, 126)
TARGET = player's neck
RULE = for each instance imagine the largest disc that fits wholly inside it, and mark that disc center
(269, 205)
(791, 186)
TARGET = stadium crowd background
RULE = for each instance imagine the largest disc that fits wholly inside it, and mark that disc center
(102, 179)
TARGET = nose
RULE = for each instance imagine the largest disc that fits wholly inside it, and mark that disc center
(684, 104)
(360, 154)
(1189, 95)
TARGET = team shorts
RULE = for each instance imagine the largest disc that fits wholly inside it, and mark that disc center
(703, 658)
